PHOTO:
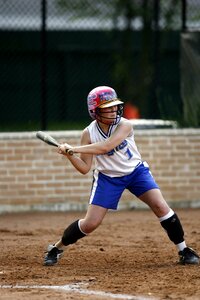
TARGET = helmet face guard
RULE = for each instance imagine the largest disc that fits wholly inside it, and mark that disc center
(102, 97)
(107, 120)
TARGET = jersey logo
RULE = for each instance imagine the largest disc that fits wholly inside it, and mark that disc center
(120, 147)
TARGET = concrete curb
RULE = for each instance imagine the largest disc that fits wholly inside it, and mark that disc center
(73, 207)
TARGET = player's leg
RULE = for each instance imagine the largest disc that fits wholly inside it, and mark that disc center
(171, 223)
(154, 199)
(168, 219)
(144, 186)
(75, 231)
(105, 194)
(93, 218)
(80, 228)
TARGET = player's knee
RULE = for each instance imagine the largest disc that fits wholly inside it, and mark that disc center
(89, 225)
(174, 229)
(72, 233)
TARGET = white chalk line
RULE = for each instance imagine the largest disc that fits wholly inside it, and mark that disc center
(76, 288)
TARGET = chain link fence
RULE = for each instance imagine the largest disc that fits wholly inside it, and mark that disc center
(53, 52)
(190, 65)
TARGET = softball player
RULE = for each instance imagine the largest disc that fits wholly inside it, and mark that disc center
(119, 166)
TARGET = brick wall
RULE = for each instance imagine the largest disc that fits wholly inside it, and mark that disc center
(33, 176)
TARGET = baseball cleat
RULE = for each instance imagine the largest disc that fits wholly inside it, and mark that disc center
(188, 256)
(52, 255)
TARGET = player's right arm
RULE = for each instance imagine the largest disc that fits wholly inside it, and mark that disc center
(83, 162)
(120, 134)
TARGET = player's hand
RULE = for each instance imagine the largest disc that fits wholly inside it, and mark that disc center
(62, 148)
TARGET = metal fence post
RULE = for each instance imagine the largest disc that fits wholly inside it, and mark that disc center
(43, 66)
(184, 15)
(154, 107)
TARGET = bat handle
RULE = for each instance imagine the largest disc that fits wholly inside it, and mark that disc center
(70, 151)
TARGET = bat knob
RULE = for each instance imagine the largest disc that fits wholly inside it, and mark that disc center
(70, 151)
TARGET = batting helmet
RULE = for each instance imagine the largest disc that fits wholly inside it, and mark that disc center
(102, 97)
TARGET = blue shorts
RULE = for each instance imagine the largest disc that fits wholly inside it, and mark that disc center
(106, 191)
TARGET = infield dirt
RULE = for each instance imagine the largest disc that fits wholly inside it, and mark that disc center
(128, 254)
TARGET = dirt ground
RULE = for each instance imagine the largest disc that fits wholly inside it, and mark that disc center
(129, 256)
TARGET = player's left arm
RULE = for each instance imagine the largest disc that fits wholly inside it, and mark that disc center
(120, 134)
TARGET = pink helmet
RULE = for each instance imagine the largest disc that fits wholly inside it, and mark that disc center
(101, 97)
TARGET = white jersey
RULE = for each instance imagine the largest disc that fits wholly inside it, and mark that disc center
(119, 161)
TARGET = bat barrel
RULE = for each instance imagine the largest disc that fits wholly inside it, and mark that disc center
(47, 138)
